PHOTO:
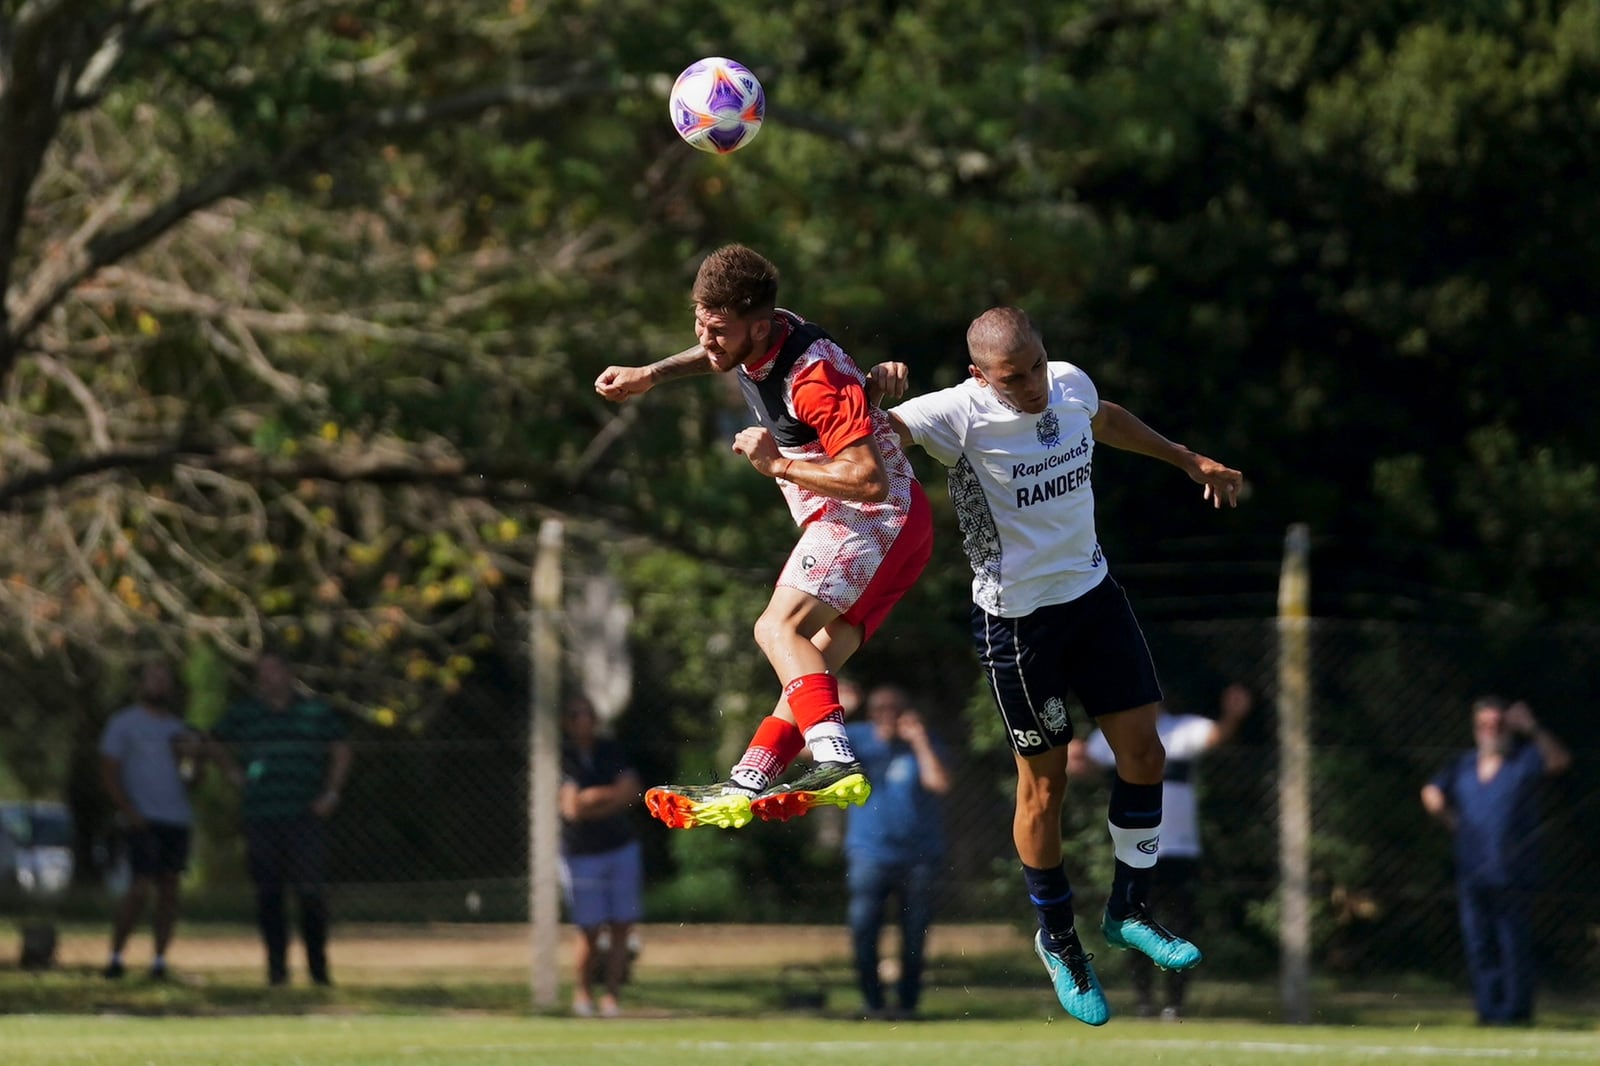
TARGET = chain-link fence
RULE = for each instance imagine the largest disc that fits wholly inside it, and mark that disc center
(434, 823)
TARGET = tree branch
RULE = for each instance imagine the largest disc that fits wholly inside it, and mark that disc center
(65, 272)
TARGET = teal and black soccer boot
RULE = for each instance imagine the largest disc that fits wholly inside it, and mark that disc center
(827, 784)
(1077, 987)
(723, 804)
(1142, 933)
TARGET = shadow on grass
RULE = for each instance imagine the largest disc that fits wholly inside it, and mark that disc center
(997, 989)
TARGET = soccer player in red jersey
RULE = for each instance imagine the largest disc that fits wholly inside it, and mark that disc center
(866, 532)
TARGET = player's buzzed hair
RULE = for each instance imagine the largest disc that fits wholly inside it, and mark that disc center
(1000, 331)
(737, 281)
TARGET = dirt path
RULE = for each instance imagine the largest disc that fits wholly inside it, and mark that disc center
(481, 950)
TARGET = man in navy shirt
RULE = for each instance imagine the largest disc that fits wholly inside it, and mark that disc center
(894, 843)
(1489, 798)
(601, 864)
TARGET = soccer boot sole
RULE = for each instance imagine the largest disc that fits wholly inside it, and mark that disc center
(680, 812)
(848, 791)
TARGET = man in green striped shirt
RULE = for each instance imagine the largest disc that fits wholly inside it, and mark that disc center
(288, 753)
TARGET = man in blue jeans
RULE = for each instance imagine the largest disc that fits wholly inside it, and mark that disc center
(1488, 798)
(894, 844)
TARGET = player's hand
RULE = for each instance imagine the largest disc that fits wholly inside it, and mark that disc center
(886, 380)
(755, 443)
(1223, 484)
(617, 383)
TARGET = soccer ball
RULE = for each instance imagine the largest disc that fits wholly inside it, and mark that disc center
(717, 105)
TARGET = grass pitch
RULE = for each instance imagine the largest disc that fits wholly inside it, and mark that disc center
(325, 1040)
(461, 997)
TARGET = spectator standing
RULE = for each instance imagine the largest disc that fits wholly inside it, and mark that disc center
(893, 844)
(602, 868)
(1186, 737)
(143, 751)
(1489, 798)
(289, 753)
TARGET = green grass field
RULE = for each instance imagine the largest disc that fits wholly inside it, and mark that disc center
(767, 1041)
(462, 997)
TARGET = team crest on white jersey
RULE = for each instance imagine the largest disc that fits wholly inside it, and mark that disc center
(1055, 714)
(1048, 429)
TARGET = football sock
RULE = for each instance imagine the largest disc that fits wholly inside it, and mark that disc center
(774, 747)
(1135, 822)
(828, 742)
(814, 702)
(1052, 899)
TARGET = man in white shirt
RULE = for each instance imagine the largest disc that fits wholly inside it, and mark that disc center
(1186, 737)
(1048, 620)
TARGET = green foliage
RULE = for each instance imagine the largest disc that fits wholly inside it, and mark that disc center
(1343, 246)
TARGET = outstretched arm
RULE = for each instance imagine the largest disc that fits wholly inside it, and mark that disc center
(1117, 426)
(617, 383)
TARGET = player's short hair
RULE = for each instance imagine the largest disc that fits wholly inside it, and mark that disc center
(1000, 331)
(737, 281)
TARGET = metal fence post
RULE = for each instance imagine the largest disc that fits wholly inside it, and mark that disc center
(1294, 774)
(544, 765)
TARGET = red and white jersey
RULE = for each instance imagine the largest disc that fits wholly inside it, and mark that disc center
(813, 398)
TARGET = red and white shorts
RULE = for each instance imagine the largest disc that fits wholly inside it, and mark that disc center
(861, 568)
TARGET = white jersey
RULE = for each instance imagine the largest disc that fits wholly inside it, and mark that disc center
(1021, 488)
(1185, 737)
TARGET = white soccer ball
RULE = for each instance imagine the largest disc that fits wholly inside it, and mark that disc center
(717, 105)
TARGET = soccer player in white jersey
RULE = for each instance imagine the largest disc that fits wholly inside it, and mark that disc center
(866, 531)
(1018, 438)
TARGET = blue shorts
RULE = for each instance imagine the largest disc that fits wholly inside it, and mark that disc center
(1091, 647)
(607, 886)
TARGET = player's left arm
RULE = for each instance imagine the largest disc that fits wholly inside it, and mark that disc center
(1115, 425)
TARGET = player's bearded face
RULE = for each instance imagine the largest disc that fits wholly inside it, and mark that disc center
(729, 339)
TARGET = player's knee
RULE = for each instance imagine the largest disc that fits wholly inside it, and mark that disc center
(1040, 793)
(769, 631)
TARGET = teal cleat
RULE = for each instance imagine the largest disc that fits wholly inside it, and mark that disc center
(1077, 987)
(1142, 933)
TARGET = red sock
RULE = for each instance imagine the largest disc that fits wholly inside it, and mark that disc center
(813, 697)
(774, 747)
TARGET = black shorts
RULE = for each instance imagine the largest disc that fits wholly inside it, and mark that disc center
(1091, 647)
(159, 848)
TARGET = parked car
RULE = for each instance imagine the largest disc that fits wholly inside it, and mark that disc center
(35, 850)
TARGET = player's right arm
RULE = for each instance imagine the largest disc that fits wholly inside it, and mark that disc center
(617, 383)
